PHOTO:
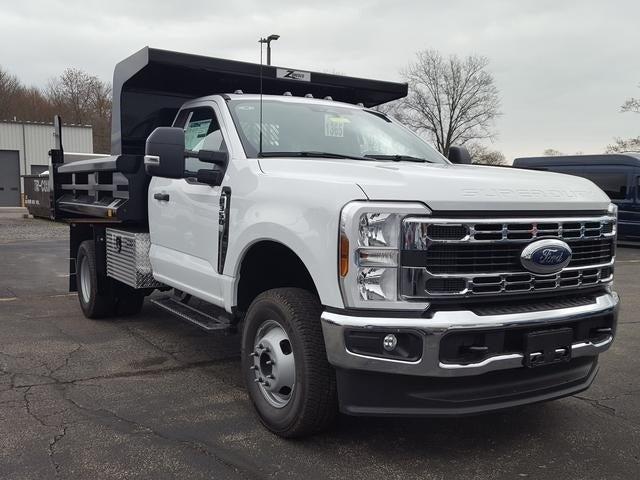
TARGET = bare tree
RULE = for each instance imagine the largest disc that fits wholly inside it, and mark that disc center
(9, 87)
(631, 105)
(83, 99)
(72, 93)
(483, 155)
(624, 145)
(20, 102)
(33, 106)
(454, 100)
(552, 152)
(79, 97)
(101, 117)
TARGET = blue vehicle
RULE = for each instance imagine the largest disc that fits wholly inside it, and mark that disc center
(617, 174)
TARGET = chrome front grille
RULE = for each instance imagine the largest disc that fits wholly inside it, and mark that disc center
(467, 257)
(527, 282)
(511, 229)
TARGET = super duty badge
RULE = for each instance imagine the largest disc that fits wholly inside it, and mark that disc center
(293, 74)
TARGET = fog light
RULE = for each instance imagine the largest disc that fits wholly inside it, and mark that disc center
(402, 346)
(390, 342)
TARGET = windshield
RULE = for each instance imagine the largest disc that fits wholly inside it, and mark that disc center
(311, 129)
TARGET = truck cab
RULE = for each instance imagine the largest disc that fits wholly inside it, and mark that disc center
(366, 273)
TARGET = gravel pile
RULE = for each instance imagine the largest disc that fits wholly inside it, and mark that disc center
(17, 230)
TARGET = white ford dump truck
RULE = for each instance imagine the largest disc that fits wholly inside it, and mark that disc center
(367, 273)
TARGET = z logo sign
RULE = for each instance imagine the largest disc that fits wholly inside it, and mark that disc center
(293, 74)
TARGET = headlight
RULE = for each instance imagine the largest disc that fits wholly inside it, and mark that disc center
(613, 210)
(379, 229)
(369, 254)
(377, 283)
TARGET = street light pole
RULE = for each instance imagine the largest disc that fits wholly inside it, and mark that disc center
(268, 41)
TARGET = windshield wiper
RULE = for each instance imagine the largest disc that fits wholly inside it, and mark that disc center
(312, 154)
(399, 158)
(315, 154)
(379, 114)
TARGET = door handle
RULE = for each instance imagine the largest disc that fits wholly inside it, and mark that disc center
(163, 197)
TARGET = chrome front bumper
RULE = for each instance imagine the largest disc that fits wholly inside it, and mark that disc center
(431, 330)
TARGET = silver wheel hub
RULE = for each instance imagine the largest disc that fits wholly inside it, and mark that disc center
(273, 364)
(85, 280)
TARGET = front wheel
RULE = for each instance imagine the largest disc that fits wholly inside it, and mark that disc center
(290, 382)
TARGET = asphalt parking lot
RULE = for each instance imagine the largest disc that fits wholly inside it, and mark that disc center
(151, 397)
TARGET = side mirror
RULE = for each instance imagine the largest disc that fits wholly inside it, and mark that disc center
(164, 153)
(210, 177)
(459, 155)
(213, 156)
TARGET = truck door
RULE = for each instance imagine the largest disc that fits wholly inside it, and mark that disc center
(183, 214)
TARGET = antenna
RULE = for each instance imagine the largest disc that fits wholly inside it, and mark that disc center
(260, 128)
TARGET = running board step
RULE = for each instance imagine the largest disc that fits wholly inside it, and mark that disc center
(193, 316)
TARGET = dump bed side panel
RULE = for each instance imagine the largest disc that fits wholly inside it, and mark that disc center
(113, 188)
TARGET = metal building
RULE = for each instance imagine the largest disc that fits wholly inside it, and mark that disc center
(24, 150)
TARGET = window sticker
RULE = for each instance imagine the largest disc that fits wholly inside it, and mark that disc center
(334, 125)
(195, 132)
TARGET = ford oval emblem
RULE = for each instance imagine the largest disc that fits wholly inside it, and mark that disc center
(546, 256)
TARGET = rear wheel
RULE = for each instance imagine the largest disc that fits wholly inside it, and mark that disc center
(93, 303)
(290, 382)
(117, 299)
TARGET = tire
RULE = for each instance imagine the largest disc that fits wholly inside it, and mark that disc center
(288, 315)
(93, 303)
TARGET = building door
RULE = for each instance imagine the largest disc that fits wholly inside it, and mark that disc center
(9, 178)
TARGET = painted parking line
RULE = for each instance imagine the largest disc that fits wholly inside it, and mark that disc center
(11, 299)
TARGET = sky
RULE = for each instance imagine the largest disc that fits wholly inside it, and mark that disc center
(563, 67)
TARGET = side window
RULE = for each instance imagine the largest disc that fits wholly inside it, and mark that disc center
(613, 184)
(201, 132)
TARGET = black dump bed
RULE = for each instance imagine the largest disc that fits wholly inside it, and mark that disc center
(148, 89)
(150, 86)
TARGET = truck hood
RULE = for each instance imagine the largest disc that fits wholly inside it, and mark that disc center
(449, 187)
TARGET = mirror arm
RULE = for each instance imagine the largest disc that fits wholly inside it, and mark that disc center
(208, 156)
(190, 154)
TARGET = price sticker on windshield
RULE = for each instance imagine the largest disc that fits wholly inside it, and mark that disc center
(334, 126)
